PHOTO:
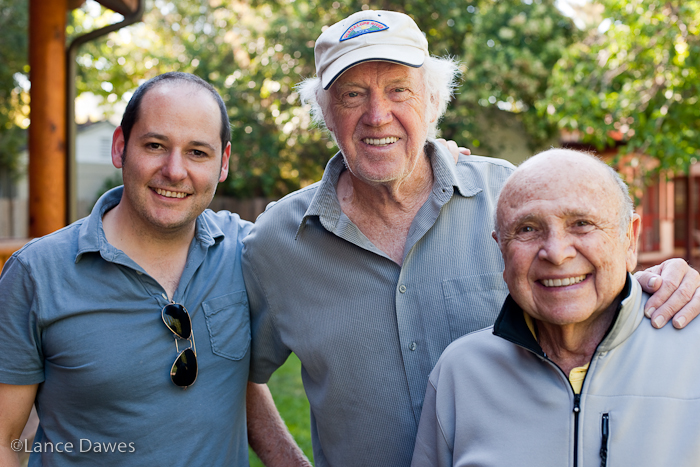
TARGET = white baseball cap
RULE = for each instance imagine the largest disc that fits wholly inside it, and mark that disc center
(371, 35)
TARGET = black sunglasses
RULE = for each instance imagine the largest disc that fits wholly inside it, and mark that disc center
(184, 371)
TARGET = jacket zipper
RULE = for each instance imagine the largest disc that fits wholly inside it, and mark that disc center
(577, 397)
(577, 410)
(605, 430)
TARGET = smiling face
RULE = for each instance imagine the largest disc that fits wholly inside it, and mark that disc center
(565, 258)
(379, 114)
(173, 160)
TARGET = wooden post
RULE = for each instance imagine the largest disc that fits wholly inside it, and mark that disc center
(47, 131)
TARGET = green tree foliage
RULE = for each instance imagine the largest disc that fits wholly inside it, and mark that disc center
(509, 56)
(508, 49)
(638, 78)
(638, 82)
(14, 100)
(255, 52)
(254, 55)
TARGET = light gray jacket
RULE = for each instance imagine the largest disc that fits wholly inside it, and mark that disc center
(495, 399)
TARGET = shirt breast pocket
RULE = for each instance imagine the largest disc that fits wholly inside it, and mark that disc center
(228, 322)
(473, 302)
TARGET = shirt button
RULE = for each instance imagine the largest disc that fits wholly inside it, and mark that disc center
(402, 288)
(412, 346)
(164, 296)
(139, 273)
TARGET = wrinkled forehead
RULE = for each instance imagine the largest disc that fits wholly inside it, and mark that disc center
(559, 188)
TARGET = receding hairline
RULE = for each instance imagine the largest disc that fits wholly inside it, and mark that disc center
(133, 109)
(193, 86)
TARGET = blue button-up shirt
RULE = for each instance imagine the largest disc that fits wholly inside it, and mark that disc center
(83, 320)
(367, 330)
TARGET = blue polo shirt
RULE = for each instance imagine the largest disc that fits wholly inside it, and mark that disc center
(368, 331)
(84, 320)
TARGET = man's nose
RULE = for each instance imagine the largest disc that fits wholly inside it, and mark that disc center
(174, 166)
(557, 248)
(378, 111)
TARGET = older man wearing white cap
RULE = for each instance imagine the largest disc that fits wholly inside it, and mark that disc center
(369, 274)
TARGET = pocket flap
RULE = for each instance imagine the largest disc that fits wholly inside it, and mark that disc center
(228, 322)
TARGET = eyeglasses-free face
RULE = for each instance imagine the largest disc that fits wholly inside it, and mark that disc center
(184, 371)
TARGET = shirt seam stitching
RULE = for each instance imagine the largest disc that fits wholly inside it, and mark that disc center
(39, 313)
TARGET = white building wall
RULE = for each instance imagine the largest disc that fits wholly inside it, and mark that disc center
(93, 155)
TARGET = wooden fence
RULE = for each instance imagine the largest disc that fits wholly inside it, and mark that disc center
(248, 209)
(14, 218)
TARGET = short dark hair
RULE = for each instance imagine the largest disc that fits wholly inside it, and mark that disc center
(131, 114)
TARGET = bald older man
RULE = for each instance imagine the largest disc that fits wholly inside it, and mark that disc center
(569, 374)
(369, 274)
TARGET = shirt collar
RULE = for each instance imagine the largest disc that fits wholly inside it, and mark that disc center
(92, 239)
(325, 202)
(446, 172)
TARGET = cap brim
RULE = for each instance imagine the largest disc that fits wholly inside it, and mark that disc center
(403, 55)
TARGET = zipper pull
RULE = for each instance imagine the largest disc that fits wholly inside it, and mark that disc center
(605, 430)
(577, 403)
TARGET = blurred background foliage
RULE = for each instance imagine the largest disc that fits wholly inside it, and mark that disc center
(620, 72)
(623, 71)
(635, 78)
(14, 100)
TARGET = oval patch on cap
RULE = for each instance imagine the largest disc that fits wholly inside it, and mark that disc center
(363, 27)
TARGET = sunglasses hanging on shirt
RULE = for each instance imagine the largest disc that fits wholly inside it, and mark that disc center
(184, 371)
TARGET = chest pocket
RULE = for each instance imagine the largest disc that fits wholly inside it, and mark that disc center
(473, 302)
(228, 322)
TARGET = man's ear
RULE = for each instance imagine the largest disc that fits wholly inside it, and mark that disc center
(433, 108)
(225, 157)
(495, 237)
(118, 146)
(632, 237)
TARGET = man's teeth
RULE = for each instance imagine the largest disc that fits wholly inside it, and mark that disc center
(380, 142)
(562, 282)
(170, 194)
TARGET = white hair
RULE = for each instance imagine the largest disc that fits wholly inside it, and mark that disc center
(440, 75)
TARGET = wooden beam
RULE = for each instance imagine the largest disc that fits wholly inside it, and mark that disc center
(47, 158)
(123, 7)
(73, 4)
